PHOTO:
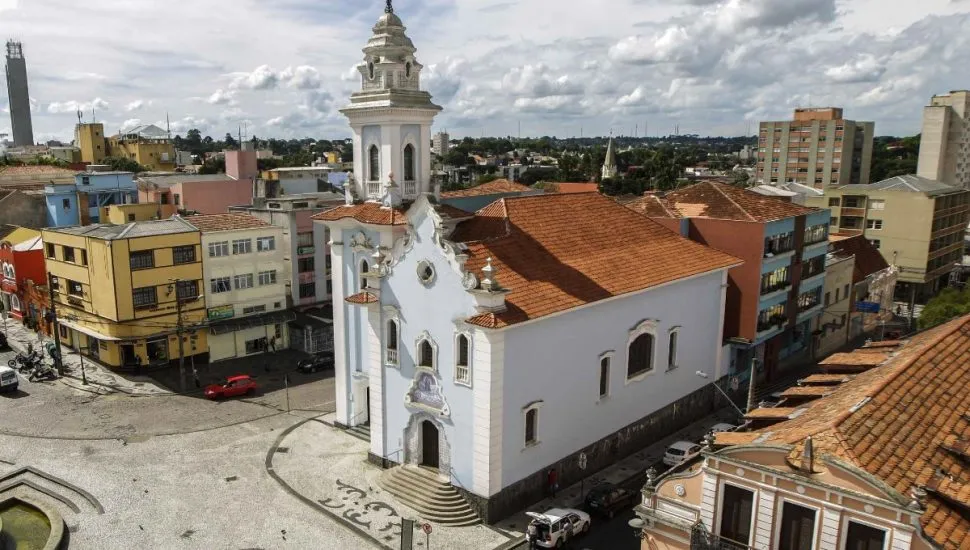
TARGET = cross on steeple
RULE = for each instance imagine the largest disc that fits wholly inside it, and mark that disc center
(389, 8)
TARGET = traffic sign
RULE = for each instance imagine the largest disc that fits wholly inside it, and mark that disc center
(867, 307)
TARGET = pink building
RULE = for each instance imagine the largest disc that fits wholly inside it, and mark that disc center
(205, 194)
(241, 165)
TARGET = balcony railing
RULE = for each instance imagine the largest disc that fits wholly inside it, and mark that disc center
(75, 301)
(373, 188)
(701, 539)
(410, 188)
(768, 289)
(772, 322)
(852, 212)
(390, 356)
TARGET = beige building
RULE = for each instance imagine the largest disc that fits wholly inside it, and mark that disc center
(917, 224)
(819, 148)
(832, 328)
(244, 275)
(870, 456)
(944, 151)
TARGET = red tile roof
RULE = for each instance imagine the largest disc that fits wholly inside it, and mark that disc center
(453, 212)
(30, 170)
(225, 222)
(365, 212)
(494, 187)
(576, 187)
(868, 259)
(361, 298)
(726, 202)
(652, 206)
(560, 251)
(899, 422)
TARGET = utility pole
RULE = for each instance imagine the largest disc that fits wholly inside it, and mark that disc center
(178, 331)
(751, 385)
(51, 281)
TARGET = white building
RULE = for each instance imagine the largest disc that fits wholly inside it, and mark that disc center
(441, 144)
(495, 346)
(245, 276)
(943, 149)
(297, 180)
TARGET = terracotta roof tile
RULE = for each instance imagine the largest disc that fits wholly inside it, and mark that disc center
(36, 170)
(576, 187)
(225, 222)
(559, 251)
(726, 202)
(897, 422)
(807, 391)
(882, 344)
(860, 358)
(494, 187)
(652, 206)
(868, 259)
(365, 212)
(772, 412)
(361, 298)
(735, 438)
(826, 379)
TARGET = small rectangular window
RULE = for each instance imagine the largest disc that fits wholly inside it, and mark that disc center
(143, 298)
(531, 426)
(864, 537)
(177, 199)
(219, 249)
(267, 278)
(66, 204)
(308, 290)
(797, 527)
(183, 254)
(84, 257)
(144, 259)
(874, 224)
(265, 244)
(187, 290)
(242, 282)
(242, 246)
(304, 239)
(69, 254)
(672, 351)
(50, 251)
(834, 201)
(74, 288)
(305, 265)
(737, 511)
(220, 285)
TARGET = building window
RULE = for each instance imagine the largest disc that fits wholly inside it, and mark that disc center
(254, 309)
(779, 244)
(462, 366)
(797, 527)
(74, 288)
(144, 259)
(774, 281)
(85, 180)
(845, 291)
(257, 345)
(143, 298)
(640, 349)
(242, 282)
(66, 204)
(177, 199)
(816, 233)
(834, 201)
(771, 317)
(329, 287)
(736, 515)
(50, 250)
(305, 265)
(218, 250)
(672, 348)
(605, 375)
(220, 285)
(828, 298)
(864, 537)
(265, 244)
(374, 164)
(308, 290)
(874, 224)
(69, 254)
(810, 299)
(409, 162)
(364, 268)
(242, 246)
(813, 267)
(877, 204)
(425, 354)
(391, 343)
(876, 243)
(164, 197)
(304, 239)
(532, 424)
(183, 254)
(187, 290)
(267, 278)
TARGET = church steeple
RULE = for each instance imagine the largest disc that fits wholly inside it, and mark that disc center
(389, 8)
(609, 165)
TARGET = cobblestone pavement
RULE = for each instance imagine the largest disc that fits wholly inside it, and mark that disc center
(330, 468)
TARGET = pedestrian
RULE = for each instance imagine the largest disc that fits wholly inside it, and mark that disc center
(137, 364)
(272, 344)
(532, 535)
(899, 310)
(553, 480)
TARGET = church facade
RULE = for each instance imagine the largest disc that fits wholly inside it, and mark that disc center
(494, 346)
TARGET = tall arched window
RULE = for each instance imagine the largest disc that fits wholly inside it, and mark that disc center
(364, 268)
(641, 355)
(408, 162)
(390, 345)
(463, 374)
(374, 161)
(425, 354)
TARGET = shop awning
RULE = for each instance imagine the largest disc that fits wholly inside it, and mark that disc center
(251, 321)
(87, 331)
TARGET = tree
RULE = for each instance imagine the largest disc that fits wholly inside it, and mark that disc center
(213, 166)
(121, 164)
(740, 179)
(485, 178)
(231, 142)
(457, 157)
(948, 304)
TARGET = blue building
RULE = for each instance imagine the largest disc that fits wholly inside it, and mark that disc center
(78, 203)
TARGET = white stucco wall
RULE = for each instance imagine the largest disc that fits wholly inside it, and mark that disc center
(556, 360)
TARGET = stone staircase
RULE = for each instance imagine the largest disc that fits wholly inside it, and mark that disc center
(360, 431)
(436, 501)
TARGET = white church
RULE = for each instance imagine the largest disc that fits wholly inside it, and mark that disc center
(484, 349)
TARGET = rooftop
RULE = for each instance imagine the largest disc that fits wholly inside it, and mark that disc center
(111, 232)
(225, 222)
(577, 187)
(19, 235)
(726, 202)
(556, 252)
(868, 260)
(909, 183)
(365, 212)
(494, 187)
(168, 180)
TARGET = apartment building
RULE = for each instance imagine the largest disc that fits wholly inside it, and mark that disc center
(441, 144)
(148, 145)
(195, 193)
(917, 224)
(243, 272)
(119, 290)
(944, 151)
(89, 138)
(80, 202)
(818, 148)
(831, 328)
(774, 297)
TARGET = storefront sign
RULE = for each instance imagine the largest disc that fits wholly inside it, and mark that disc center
(222, 312)
(305, 250)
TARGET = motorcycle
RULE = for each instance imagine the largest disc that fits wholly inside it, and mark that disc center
(42, 372)
(25, 363)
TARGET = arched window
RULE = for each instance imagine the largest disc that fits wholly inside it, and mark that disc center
(390, 345)
(463, 374)
(425, 354)
(364, 268)
(531, 426)
(672, 349)
(641, 355)
(408, 162)
(374, 161)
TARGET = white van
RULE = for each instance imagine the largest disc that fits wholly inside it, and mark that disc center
(8, 379)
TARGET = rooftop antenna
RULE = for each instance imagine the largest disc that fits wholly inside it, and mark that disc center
(636, 130)
(79, 115)
(94, 116)
(168, 126)
(239, 134)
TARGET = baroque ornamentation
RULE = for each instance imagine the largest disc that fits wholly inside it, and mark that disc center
(361, 242)
(425, 393)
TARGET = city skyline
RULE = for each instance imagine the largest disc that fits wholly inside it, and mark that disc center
(283, 69)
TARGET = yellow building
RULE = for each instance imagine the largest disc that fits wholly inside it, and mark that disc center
(119, 287)
(148, 145)
(127, 213)
(89, 138)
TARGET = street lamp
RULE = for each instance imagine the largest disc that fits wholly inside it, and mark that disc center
(703, 374)
(638, 526)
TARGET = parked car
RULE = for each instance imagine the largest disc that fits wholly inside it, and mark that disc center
(608, 499)
(8, 379)
(317, 362)
(233, 386)
(554, 527)
(680, 451)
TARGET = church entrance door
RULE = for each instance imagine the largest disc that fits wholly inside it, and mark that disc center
(429, 444)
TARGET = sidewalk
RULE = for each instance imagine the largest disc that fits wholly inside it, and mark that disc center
(101, 380)
(629, 472)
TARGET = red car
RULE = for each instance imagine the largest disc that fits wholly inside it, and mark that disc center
(232, 387)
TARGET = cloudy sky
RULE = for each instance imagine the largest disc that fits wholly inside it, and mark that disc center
(557, 67)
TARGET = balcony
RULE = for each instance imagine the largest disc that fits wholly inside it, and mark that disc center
(850, 212)
(772, 323)
(771, 289)
(701, 539)
(75, 301)
(410, 188)
(373, 188)
(390, 357)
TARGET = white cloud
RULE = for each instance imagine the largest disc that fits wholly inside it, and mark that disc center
(221, 97)
(135, 105)
(303, 77)
(131, 123)
(72, 107)
(865, 68)
(264, 77)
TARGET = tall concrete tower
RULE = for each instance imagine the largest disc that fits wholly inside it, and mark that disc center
(23, 131)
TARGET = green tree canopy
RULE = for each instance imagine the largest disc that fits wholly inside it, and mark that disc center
(948, 304)
(122, 164)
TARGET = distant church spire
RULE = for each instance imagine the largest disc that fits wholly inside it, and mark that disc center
(389, 8)
(609, 165)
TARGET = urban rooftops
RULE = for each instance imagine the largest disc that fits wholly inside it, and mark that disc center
(110, 232)
(910, 183)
